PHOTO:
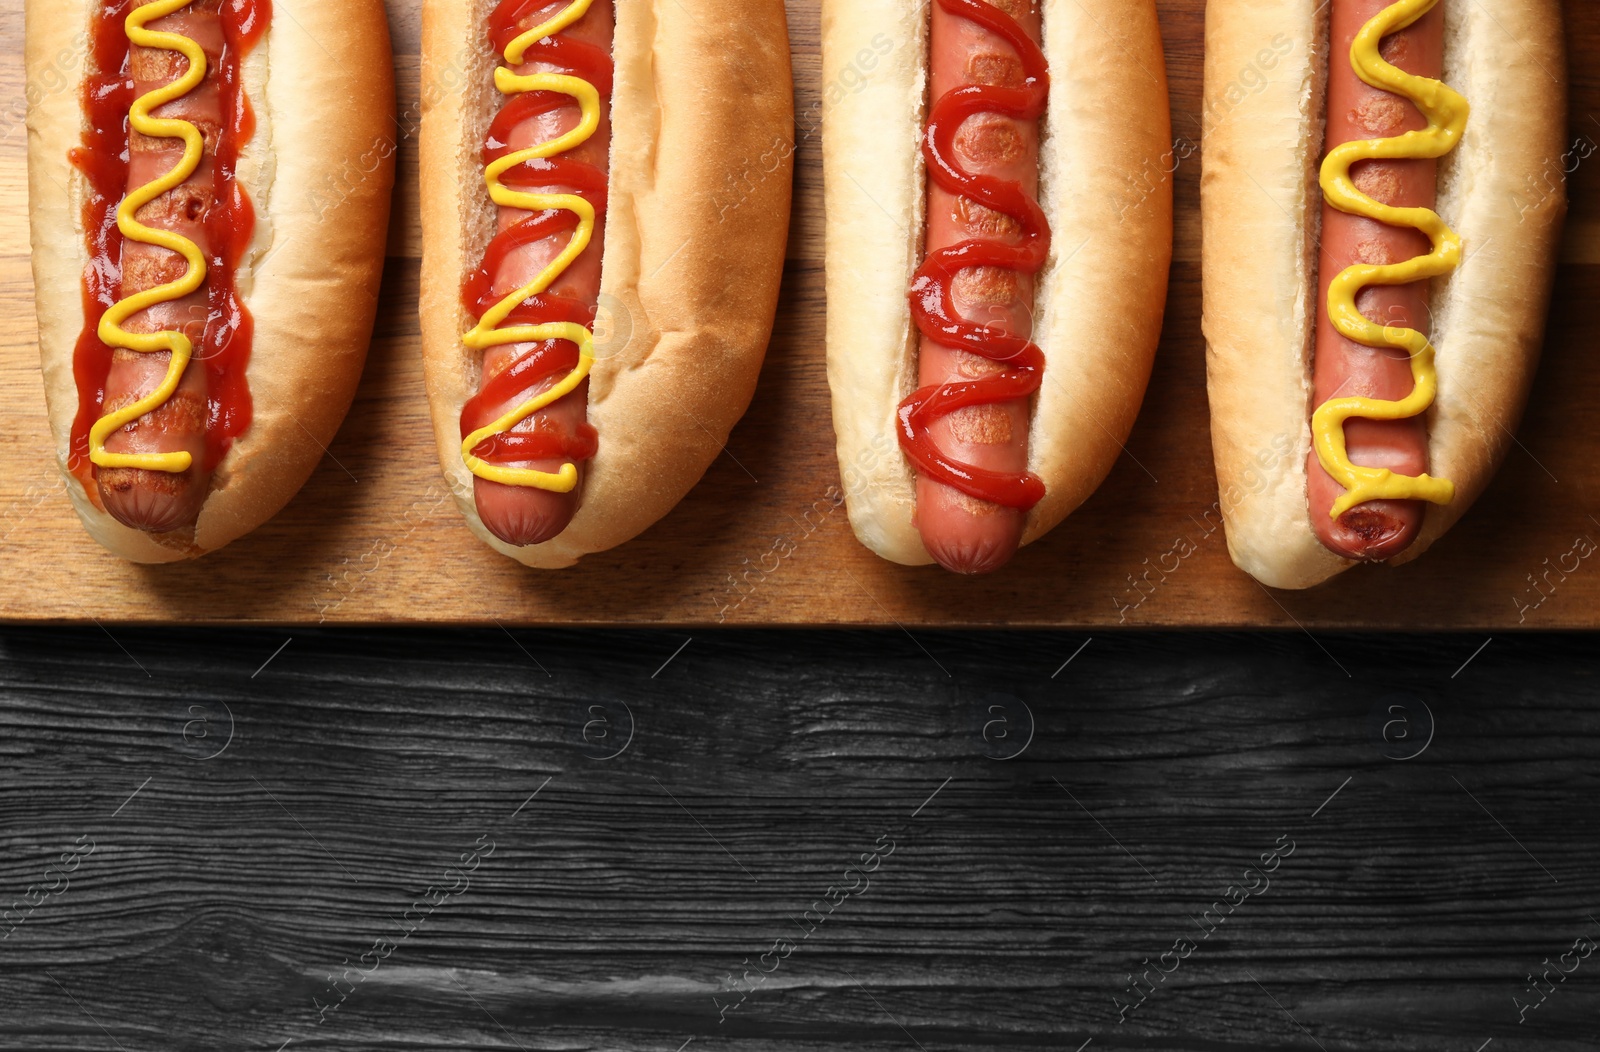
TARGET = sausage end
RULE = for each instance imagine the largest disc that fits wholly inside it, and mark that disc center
(522, 516)
(152, 501)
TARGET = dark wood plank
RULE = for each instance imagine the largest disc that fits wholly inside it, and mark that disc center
(621, 894)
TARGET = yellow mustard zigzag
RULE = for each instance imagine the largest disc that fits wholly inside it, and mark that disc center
(1446, 112)
(111, 331)
(486, 333)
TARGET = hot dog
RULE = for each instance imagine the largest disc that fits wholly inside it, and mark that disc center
(1371, 339)
(987, 360)
(1375, 529)
(154, 500)
(589, 166)
(523, 515)
(202, 323)
(964, 532)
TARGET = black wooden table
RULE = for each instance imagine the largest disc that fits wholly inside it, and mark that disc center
(774, 841)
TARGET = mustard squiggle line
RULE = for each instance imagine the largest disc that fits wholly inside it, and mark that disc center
(111, 331)
(487, 333)
(1446, 112)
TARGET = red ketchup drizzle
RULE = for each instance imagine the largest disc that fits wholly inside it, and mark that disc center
(230, 224)
(539, 362)
(932, 306)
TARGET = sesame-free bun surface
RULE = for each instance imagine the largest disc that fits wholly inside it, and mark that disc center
(702, 121)
(1105, 158)
(1500, 189)
(318, 170)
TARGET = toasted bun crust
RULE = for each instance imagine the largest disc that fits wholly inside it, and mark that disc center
(1501, 189)
(318, 170)
(702, 142)
(1105, 161)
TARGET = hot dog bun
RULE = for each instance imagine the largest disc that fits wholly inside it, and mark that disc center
(1500, 190)
(1105, 186)
(702, 140)
(321, 85)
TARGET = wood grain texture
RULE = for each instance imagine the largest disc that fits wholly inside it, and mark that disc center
(760, 541)
(624, 898)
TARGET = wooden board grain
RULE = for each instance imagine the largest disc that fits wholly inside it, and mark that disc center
(372, 537)
(259, 820)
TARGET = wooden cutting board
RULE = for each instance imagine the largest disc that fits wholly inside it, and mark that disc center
(762, 539)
